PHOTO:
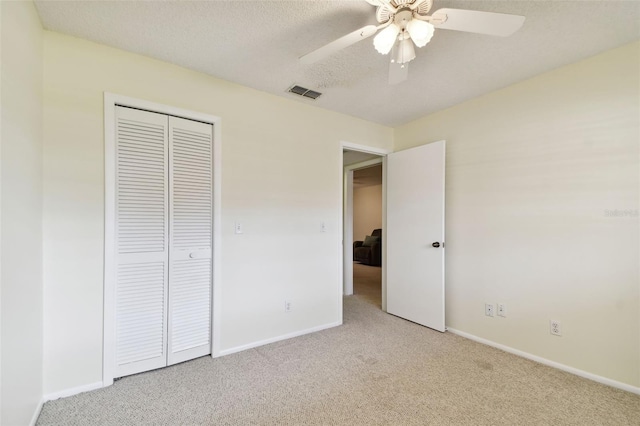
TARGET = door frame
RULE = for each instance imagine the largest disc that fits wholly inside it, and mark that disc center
(346, 255)
(111, 101)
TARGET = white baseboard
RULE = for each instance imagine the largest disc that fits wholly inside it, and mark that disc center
(568, 369)
(73, 391)
(36, 413)
(277, 339)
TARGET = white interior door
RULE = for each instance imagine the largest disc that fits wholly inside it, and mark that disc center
(163, 240)
(191, 231)
(415, 226)
(141, 241)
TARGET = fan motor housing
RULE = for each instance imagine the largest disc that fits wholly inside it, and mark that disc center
(402, 17)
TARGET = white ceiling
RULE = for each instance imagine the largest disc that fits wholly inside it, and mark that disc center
(257, 43)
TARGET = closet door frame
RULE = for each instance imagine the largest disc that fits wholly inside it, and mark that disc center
(111, 101)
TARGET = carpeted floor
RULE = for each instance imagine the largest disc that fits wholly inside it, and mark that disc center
(367, 283)
(376, 369)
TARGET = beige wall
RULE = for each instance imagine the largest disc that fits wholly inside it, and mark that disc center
(533, 172)
(21, 213)
(367, 210)
(268, 185)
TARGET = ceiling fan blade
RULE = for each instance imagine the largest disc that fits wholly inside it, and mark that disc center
(472, 21)
(339, 44)
(398, 73)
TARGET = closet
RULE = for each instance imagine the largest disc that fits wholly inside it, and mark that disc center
(163, 232)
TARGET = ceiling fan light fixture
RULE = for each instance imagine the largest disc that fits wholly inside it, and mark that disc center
(405, 51)
(420, 31)
(386, 38)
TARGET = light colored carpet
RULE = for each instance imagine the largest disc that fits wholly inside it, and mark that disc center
(376, 369)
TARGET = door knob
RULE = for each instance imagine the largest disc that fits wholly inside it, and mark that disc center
(436, 244)
(192, 255)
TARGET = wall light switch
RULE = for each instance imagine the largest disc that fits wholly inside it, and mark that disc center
(238, 228)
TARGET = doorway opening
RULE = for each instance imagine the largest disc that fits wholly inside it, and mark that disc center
(367, 233)
(363, 226)
(413, 212)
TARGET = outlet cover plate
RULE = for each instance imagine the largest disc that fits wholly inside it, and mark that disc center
(502, 310)
(488, 309)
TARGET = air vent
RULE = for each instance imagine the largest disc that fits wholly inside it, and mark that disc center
(303, 91)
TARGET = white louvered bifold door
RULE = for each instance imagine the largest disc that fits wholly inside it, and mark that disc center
(191, 230)
(141, 240)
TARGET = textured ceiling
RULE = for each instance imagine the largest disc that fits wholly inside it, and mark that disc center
(257, 43)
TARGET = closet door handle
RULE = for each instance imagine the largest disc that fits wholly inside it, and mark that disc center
(193, 255)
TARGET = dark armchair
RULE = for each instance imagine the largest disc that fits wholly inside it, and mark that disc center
(370, 254)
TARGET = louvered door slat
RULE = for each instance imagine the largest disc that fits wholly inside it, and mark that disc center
(191, 183)
(141, 142)
(142, 240)
(191, 304)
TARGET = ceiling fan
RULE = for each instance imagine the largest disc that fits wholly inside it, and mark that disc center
(405, 23)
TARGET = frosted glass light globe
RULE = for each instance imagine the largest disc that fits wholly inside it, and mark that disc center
(386, 38)
(420, 31)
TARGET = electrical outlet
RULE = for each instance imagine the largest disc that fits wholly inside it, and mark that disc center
(287, 306)
(488, 309)
(502, 310)
(323, 227)
(555, 327)
(238, 228)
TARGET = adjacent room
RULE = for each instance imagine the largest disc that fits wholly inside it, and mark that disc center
(367, 232)
(356, 212)
(362, 221)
